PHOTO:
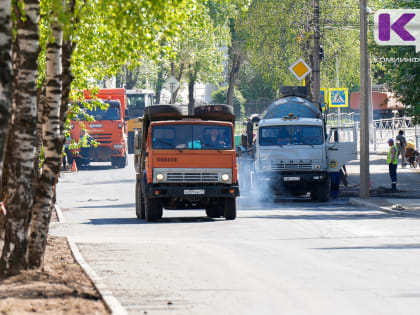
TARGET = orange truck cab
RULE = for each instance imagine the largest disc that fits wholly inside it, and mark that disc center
(108, 129)
(186, 162)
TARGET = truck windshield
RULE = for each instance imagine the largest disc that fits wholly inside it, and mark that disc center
(285, 135)
(193, 137)
(111, 113)
(136, 101)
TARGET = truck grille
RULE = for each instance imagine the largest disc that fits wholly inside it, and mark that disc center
(287, 166)
(192, 177)
(102, 137)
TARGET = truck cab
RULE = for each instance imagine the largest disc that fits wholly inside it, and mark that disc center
(137, 101)
(293, 152)
(107, 129)
(186, 162)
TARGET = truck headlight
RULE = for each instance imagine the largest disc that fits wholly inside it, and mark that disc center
(160, 177)
(316, 166)
(225, 177)
(118, 146)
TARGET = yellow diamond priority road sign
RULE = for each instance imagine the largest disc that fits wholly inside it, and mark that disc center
(300, 69)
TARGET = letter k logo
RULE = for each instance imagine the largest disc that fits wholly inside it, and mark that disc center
(385, 26)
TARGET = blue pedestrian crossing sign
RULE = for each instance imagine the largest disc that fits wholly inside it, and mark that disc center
(338, 97)
(323, 99)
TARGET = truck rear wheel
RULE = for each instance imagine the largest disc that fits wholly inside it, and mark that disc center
(130, 142)
(230, 208)
(153, 209)
(139, 202)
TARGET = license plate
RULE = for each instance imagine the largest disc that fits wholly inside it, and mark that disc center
(291, 178)
(193, 191)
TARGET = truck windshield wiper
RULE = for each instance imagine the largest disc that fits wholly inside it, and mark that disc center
(164, 142)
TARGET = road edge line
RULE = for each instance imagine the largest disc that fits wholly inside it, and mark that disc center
(60, 216)
(113, 305)
(365, 203)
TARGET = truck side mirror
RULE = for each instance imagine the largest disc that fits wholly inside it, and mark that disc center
(137, 140)
(126, 112)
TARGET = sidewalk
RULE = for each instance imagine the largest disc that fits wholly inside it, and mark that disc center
(396, 206)
(405, 201)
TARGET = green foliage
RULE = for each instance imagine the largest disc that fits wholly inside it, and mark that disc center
(277, 33)
(220, 97)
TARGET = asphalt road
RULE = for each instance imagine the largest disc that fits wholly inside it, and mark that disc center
(288, 257)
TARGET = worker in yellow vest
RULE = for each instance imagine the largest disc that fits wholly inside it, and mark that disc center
(392, 160)
(85, 141)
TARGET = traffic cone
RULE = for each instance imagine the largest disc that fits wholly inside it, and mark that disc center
(74, 166)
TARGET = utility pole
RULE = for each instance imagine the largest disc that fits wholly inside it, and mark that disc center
(364, 104)
(316, 66)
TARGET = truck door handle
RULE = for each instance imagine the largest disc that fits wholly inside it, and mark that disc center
(333, 149)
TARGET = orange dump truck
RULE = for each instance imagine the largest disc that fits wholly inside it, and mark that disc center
(186, 162)
(108, 129)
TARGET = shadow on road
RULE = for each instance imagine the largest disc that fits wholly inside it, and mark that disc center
(113, 181)
(385, 246)
(122, 205)
(326, 216)
(122, 221)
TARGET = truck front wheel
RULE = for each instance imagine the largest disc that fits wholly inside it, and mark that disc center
(214, 210)
(130, 140)
(230, 208)
(324, 191)
(153, 209)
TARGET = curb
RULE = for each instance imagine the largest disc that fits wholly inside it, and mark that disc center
(372, 205)
(110, 301)
(113, 305)
(60, 216)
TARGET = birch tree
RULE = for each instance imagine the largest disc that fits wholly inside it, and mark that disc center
(51, 136)
(21, 143)
(5, 74)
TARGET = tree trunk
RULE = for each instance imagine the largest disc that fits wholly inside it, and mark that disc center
(179, 77)
(159, 84)
(67, 76)
(21, 147)
(53, 146)
(191, 83)
(5, 74)
(234, 73)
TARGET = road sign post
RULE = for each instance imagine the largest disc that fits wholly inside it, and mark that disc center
(171, 84)
(338, 97)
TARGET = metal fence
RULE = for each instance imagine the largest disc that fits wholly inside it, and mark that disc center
(381, 130)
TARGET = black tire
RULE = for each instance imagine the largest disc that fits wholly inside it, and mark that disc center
(324, 191)
(130, 142)
(230, 209)
(314, 194)
(215, 112)
(214, 211)
(140, 213)
(162, 112)
(153, 209)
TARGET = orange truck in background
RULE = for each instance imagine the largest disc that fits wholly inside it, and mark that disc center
(108, 129)
(186, 162)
